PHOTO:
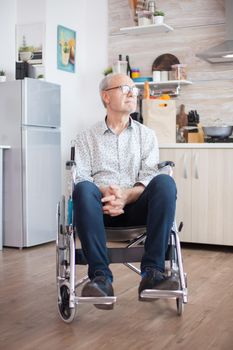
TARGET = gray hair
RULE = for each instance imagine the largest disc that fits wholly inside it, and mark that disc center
(105, 83)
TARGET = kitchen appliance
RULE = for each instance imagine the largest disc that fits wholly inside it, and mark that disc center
(224, 51)
(209, 139)
(221, 132)
(36, 70)
(30, 124)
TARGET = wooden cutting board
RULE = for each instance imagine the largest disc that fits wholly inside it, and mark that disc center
(164, 62)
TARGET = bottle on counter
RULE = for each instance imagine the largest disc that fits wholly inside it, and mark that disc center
(146, 90)
(129, 70)
(151, 6)
(119, 66)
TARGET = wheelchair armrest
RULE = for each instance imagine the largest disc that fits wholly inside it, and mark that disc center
(70, 163)
(161, 165)
(166, 163)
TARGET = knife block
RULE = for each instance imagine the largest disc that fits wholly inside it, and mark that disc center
(195, 137)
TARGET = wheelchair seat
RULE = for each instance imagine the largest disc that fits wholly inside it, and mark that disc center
(124, 234)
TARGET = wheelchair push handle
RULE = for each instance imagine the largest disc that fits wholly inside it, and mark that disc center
(71, 162)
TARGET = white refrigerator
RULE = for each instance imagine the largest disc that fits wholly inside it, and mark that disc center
(30, 124)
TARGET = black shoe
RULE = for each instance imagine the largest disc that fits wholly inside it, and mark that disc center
(155, 279)
(99, 287)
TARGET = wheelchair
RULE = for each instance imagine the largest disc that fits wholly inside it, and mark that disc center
(68, 256)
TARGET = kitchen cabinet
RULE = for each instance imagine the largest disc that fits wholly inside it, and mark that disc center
(151, 28)
(205, 188)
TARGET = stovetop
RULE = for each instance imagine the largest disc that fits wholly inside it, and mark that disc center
(218, 140)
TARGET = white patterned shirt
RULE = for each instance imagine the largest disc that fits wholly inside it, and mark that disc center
(106, 158)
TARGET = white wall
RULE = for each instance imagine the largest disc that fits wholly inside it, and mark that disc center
(30, 11)
(8, 15)
(80, 102)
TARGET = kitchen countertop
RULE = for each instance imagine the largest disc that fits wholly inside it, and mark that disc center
(197, 145)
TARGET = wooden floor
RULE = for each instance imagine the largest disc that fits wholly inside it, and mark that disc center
(29, 319)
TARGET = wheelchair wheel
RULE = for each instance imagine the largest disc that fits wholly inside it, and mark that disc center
(179, 306)
(66, 313)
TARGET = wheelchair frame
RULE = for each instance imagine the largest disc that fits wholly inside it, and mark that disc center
(67, 257)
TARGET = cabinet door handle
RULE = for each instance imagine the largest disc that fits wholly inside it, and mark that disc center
(185, 166)
(196, 173)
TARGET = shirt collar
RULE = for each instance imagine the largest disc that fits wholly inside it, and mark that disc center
(104, 127)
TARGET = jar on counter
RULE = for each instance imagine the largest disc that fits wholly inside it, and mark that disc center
(180, 71)
(164, 75)
(156, 76)
(144, 18)
(135, 73)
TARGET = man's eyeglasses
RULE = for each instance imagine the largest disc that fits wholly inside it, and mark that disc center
(125, 89)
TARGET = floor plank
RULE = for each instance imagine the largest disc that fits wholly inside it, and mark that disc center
(29, 319)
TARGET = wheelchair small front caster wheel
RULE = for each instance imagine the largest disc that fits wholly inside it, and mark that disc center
(179, 306)
(66, 313)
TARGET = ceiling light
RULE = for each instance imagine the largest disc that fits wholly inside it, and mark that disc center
(228, 56)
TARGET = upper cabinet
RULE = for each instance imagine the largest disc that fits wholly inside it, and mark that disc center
(146, 29)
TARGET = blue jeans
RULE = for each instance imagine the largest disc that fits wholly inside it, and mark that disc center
(155, 208)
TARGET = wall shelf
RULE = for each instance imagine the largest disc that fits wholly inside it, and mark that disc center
(165, 83)
(151, 28)
(163, 86)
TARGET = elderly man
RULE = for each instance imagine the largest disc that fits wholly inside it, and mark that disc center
(117, 185)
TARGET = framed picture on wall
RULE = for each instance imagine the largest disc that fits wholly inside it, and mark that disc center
(66, 49)
(30, 40)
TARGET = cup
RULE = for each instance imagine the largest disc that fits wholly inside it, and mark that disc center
(164, 75)
(25, 56)
(156, 76)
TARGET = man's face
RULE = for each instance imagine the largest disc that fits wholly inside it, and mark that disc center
(116, 97)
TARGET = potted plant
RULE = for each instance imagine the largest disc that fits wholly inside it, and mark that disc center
(107, 71)
(2, 76)
(65, 53)
(158, 17)
(40, 76)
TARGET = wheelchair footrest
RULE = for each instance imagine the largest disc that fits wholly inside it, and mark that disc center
(95, 300)
(161, 294)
